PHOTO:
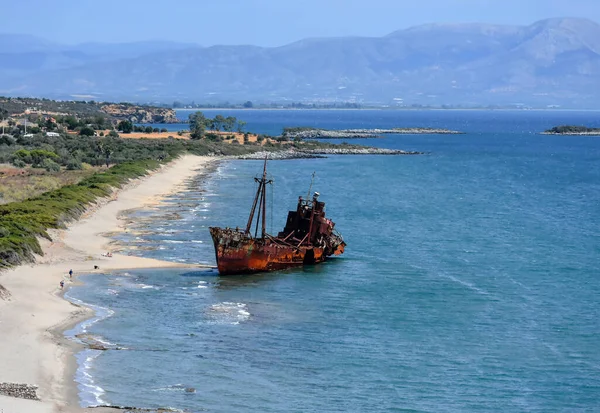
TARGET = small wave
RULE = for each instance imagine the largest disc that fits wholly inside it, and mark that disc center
(89, 392)
(176, 387)
(147, 287)
(101, 313)
(197, 241)
(229, 313)
(173, 241)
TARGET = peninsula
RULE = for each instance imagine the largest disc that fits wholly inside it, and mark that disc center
(316, 133)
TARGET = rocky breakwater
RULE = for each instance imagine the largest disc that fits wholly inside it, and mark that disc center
(20, 391)
(140, 114)
(314, 133)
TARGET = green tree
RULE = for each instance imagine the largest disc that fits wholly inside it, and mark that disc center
(248, 105)
(105, 147)
(87, 131)
(229, 123)
(197, 125)
(240, 126)
(148, 129)
(125, 126)
(49, 124)
(113, 134)
(219, 121)
(7, 140)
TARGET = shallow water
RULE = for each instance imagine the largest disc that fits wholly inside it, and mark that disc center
(470, 281)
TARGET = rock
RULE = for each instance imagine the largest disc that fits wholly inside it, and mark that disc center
(20, 391)
(4, 293)
(141, 114)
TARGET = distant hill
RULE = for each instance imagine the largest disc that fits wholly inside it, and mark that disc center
(551, 62)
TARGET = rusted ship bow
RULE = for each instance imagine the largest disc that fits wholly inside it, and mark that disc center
(308, 238)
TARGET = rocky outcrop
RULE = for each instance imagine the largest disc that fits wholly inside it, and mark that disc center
(140, 114)
(308, 133)
(280, 155)
(360, 151)
(20, 391)
(322, 153)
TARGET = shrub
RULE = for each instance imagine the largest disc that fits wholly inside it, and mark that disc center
(23, 155)
(39, 155)
(19, 163)
(113, 134)
(164, 130)
(7, 140)
(49, 165)
(74, 164)
(148, 129)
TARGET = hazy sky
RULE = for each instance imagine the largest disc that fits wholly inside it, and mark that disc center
(262, 22)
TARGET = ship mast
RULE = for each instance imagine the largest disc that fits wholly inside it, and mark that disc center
(260, 198)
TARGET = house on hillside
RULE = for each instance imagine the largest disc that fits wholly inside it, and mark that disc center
(55, 134)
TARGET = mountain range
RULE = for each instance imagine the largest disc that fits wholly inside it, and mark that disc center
(551, 62)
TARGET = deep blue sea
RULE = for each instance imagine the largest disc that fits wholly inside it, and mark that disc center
(470, 283)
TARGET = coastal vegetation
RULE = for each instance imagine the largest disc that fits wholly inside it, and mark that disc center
(572, 130)
(21, 223)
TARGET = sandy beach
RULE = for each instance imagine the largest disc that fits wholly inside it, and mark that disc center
(33, 313)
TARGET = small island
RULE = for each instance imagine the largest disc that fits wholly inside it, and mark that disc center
(572, 130)
(316, 133)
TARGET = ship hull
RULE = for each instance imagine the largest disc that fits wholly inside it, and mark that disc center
(238, 253)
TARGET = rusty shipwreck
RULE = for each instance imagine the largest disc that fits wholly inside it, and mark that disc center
(308, 237)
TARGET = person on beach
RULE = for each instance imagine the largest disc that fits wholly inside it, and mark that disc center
(62, 284)
(71, 274)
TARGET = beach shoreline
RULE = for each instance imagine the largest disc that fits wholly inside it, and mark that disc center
(33, 319)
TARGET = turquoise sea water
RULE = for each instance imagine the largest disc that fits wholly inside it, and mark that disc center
(470, 282)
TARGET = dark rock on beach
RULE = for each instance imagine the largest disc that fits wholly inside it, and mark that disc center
(20, 391)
